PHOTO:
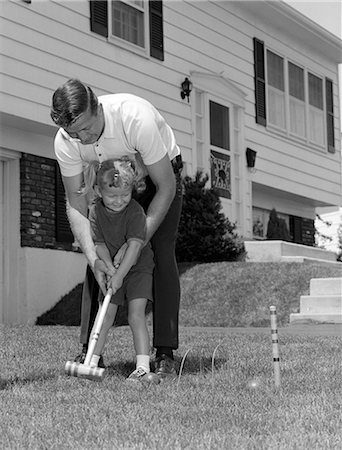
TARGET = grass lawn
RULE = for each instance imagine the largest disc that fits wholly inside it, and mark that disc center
(227, 294)
(212, 404)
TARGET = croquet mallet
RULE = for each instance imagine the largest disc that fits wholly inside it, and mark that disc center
(84, 370)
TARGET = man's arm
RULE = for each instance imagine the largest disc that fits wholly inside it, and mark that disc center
(77, 210)
(162, 175)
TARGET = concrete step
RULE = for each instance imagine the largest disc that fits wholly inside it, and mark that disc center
(275, 250)
(320, 304)
(312, 318)
(306, 259)
(326, 286)
(324, 304)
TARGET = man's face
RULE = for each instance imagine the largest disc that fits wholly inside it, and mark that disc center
(87, 127)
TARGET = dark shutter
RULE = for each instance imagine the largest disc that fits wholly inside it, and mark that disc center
(99, 17)
(308, 231)
(330, 115)
(156, 30)
(63, 231)
(296, 229)
(259, 82)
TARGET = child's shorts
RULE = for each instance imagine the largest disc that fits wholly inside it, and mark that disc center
(135, 285)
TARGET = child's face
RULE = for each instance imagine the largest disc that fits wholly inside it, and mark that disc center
(116, 199)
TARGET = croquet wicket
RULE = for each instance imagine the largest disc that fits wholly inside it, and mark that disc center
(275, 349)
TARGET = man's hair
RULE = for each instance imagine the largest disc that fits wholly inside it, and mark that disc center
(71, 100)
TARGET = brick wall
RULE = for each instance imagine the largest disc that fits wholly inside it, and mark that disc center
(38, 203)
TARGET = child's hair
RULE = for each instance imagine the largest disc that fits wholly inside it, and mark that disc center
(120, 173)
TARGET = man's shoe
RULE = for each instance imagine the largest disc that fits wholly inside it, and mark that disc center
(165, 367)
(82, 356)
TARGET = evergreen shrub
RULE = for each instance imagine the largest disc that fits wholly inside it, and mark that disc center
(204, 233)
(277, 228)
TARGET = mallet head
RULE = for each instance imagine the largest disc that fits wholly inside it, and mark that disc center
(79, 370)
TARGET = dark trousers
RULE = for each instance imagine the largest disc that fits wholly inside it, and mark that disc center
(166, 289)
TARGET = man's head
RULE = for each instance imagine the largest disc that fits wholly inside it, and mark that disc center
(76, 109)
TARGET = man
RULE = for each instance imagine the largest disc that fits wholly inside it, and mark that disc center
(112, 126)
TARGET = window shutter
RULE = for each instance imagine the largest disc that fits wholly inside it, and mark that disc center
(156, 30)
(63, 231)
(99, 17)
(296, 229)
(330, 115)
(259, 82)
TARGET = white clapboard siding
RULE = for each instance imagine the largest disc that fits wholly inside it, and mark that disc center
(44, 43)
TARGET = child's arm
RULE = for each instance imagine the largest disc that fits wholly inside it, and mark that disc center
(131, 256)
(103, 254)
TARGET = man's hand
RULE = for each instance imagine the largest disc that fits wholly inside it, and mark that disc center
(101, 272)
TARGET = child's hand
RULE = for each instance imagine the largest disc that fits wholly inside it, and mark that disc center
(115, 282)
(120, 255)
(111, 270)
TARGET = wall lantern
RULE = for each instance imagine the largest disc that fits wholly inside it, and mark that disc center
(186, 88)
(250, 157)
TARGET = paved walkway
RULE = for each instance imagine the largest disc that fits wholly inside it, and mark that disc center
(301, 329)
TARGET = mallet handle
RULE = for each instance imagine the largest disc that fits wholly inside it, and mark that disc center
(97, 326)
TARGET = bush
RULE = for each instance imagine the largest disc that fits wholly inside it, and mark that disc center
(277, 228)
(205, 234)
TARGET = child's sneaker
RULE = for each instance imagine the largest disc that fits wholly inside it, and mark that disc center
(137, 375)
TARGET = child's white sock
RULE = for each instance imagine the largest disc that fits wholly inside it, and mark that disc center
(144, 362)
(94, 360)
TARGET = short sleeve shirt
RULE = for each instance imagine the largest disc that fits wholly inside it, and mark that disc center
(132, 125)
(115, 228)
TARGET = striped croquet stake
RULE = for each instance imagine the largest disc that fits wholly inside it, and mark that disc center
(275, 350)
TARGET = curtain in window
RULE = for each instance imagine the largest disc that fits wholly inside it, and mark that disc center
(316, 115)
(275, 71)
(296, 100)
(276, 94)
(128, 23)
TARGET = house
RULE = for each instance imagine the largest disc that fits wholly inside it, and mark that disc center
(262, 117)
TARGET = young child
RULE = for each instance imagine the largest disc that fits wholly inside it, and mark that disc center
(116, 218)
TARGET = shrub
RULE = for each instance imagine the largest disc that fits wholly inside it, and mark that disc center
(339, 241)
(277, 228)
(205, 234)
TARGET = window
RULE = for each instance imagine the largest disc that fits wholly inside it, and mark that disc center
(316, 114)
(136, 25)
(220, 161)
(276, 90)
(291, 99)
(128, 21)
(261, 218)
(296, 100)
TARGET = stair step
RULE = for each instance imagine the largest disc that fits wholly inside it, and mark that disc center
(307, 259)
(321, 304)
(326, 286)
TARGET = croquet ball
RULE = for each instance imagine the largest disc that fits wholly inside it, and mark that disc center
(151, 378)
(255, 383)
